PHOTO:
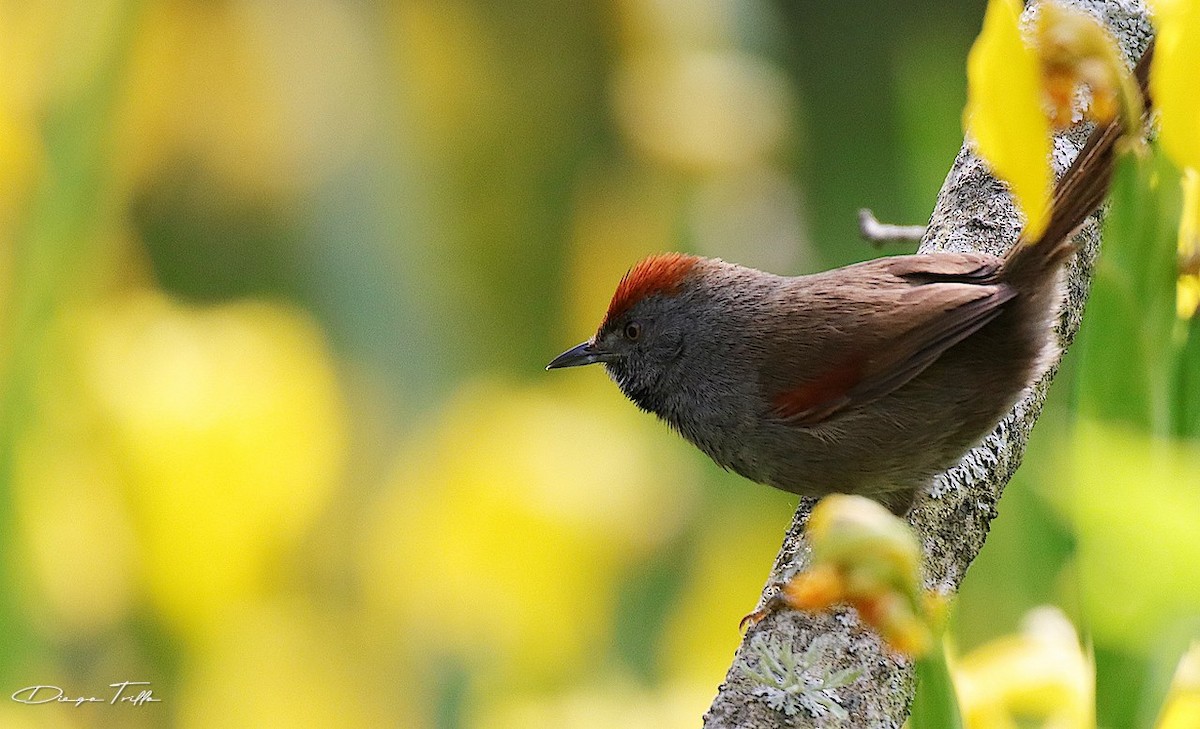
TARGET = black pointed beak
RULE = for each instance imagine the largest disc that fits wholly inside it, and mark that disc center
(583, 354)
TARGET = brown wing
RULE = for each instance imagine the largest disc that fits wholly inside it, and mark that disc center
(882, 323)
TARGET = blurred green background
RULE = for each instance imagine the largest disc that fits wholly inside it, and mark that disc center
(277, 285)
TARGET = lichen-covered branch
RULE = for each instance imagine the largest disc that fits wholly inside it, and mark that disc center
(974, 212)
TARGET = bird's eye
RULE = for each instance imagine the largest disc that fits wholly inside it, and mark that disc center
(633, 331)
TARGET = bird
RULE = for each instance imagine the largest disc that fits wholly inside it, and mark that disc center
(867, 379)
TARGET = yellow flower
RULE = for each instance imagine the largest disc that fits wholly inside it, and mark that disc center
(844, 528)
(280, 115)
(176, 455)
(613, 702)
(1011, 83)
(1187, 296)
(517, 505)
(865, 556)
(1182, 707)
(1074, 48)
(225, 425)
(1004, 112)
(1173, 87)
(703, 111)
(76, 534)
(283, 663)
(1173, 78)
(1040, 673)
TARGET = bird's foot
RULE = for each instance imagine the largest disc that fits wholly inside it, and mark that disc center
(774, 604)
(815, 589)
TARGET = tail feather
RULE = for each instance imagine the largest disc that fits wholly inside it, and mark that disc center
(1081, 189)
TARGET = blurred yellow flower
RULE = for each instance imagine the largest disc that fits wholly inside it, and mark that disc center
(502, 538)
(1134, 506)
(1040, 676)
(16, 716)
(686, 96)
(226, 425)
(1173, 78)
(1004, 113)
(1181, 710)
(866, 556)
(76, 533)
(20, 156)
(1011, 84)
(614, 703)
(268, 98)
(49, 53)
(726, 571)
(449, 73)
(1074, 49)
(703, 111)
(1173, 87)
(1187, 292)
(288, 665)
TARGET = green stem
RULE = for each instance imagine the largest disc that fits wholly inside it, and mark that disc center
(935, 704)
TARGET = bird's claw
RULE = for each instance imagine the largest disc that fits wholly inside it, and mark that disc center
(774, 604)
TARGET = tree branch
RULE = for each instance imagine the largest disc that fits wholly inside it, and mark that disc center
(974, 212)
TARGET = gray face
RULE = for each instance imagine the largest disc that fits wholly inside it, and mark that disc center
(641, 349)
(645, 345)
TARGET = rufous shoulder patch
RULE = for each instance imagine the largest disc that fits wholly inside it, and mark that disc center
(820, 397)
(659, 274)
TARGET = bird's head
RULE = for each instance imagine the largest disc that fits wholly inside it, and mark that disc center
(643, 332)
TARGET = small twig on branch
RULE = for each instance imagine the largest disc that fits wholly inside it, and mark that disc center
(880, 234)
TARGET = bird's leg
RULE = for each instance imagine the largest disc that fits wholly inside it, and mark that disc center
(774, 604)
(814, 589)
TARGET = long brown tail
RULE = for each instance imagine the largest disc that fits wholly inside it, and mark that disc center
(1082, 187)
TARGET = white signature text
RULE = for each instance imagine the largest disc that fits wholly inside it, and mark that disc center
(125, 692)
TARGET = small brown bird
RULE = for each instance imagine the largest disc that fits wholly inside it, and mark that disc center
(868, 379)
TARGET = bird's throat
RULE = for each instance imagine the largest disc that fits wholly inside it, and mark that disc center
(646, 396)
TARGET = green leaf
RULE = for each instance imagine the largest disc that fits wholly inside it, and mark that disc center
(1131, 310)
